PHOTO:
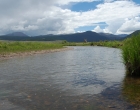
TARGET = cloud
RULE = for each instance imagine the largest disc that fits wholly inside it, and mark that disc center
(108, 1)
(97, 29)
(115, 13)
(129, 26)
(48, 16)
(65, 2)
(34, 16)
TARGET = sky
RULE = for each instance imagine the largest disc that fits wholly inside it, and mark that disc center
(41, 17)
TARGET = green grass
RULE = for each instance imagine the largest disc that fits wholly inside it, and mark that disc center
(65, 43)
(131, 55)
(12, 47)
(114, 44)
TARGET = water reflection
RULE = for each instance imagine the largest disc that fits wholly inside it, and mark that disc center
(74, 80)
(131, 90)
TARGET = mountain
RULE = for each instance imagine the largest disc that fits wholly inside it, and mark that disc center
(122, 35)
(113, 37)
(133, 34)
(17, 34)
(110, 36)
(75, 37)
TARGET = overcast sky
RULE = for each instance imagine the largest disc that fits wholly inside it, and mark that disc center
(40, 17)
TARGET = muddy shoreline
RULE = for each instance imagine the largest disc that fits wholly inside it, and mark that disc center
(23, 54)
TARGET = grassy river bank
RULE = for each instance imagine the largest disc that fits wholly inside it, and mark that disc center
(15, 47)
(8, 47)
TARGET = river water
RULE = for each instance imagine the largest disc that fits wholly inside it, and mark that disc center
(84, 78)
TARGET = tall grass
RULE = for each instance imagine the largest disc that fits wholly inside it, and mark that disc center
(131, 55)
(8, 47)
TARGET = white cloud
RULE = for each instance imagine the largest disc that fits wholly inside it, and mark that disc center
(113, 14)
(97, 29)
(80, 31)
(129, 26)
(65, 2)
(106, 30)
(48, 17)
(108, 0)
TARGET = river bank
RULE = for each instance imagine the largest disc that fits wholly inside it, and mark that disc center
(23, 54)
(10, 49)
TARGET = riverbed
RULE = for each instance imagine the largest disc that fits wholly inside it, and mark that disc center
(84, 78)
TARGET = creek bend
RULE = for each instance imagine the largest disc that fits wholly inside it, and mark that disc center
(85, 78)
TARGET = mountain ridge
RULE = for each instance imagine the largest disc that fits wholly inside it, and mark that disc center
(133, 34)
(89, 36)
(17, 34)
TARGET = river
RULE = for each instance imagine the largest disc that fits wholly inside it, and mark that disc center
(84, 78)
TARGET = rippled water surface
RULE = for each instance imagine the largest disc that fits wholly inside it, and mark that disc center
(85, 78)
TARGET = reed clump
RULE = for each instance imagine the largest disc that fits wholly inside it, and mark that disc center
(131, 55)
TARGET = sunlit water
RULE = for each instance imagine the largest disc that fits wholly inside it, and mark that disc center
(71, 80)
